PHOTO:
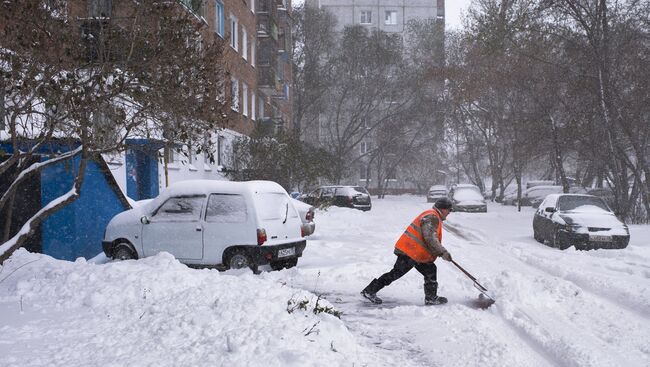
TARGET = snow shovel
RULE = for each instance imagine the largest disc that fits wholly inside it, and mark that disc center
(484, 300)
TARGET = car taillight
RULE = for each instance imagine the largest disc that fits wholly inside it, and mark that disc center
(350, 199)
(302, 232)
(261, 236)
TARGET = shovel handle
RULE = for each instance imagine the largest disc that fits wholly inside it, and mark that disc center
(463, 270)
(476, 283)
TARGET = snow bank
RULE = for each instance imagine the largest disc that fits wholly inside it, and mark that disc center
(156, 311)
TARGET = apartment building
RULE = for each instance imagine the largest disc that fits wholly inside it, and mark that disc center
(390, 16)
(257, 58)
(387, 15)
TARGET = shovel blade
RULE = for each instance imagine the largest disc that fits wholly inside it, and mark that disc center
(484, 300)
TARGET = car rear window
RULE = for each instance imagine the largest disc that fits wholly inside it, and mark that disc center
(581, 203)
(226, 208)
(274, 205)
(351, 190)
(467, 194)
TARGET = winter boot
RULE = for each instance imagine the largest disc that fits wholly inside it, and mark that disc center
(431, 295)
(370, 292)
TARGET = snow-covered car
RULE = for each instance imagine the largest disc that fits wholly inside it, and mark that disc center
(583, 221)
(212, 223)
(345, 196)
(535, 193)
(468, 198)
(437, 192)
(306, 213)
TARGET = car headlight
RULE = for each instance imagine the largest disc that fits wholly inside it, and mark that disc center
(571, 227)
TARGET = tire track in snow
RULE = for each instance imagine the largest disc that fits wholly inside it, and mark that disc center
(538, 337)
(474, 236)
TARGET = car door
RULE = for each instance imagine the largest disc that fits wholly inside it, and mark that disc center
(227, 222)
(546, 218)
(176, 227)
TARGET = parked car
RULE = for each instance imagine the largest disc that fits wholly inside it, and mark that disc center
(212, 223)
(537, 200)
(604, 193)
(436, 192)
(345, 196)
(533, 183)
(583, 221)
(468, 198)
(306, 213)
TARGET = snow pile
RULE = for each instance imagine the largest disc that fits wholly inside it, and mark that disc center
(156, 311)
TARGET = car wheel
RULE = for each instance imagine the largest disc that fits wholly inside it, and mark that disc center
(123, 252)
(284, 264)
(239, 260)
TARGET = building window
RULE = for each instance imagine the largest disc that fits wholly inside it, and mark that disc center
(390, 175)
(363, 173)
(244, 43)
(234, 94)
(244, 91)
(366, 17)
(260, 107)
(253, 105)
(169, 154)
(219, 19)
(365, 147)
(253, 51)
(391, 17)
(234, 42)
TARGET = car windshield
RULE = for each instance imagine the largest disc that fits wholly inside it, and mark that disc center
(542, 192)
(467, 194)
(351, 190)
(581, 204)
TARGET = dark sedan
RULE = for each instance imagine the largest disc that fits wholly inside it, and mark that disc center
(583, 221)
(346, 196)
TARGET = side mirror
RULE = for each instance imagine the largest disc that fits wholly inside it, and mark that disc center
(549, 210)
(144, 220)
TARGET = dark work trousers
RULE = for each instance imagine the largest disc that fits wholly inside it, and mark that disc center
(403, 265)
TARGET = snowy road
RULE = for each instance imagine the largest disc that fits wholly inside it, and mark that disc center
(554, 308)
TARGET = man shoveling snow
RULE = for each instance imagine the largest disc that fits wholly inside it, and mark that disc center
(418, 247)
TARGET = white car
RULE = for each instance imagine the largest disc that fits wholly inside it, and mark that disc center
(306, 213)
(212, 223)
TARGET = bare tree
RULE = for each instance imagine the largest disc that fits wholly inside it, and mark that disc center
(149, 68)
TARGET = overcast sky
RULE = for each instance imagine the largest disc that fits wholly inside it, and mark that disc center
(452, 10)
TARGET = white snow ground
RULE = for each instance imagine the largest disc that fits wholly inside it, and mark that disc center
(554, 308)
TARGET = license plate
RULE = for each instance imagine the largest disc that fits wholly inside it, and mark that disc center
(286, 252)
(599, 238)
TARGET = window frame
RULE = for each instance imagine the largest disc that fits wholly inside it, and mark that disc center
(387, 21)
(365, 17)
(234, 33)
(219, 18)
(234, 94)
(244, 43)
(244, 91)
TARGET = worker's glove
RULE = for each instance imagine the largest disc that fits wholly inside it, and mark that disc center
(446, 255)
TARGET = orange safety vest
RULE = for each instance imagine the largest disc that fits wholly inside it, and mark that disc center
(412, 242)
